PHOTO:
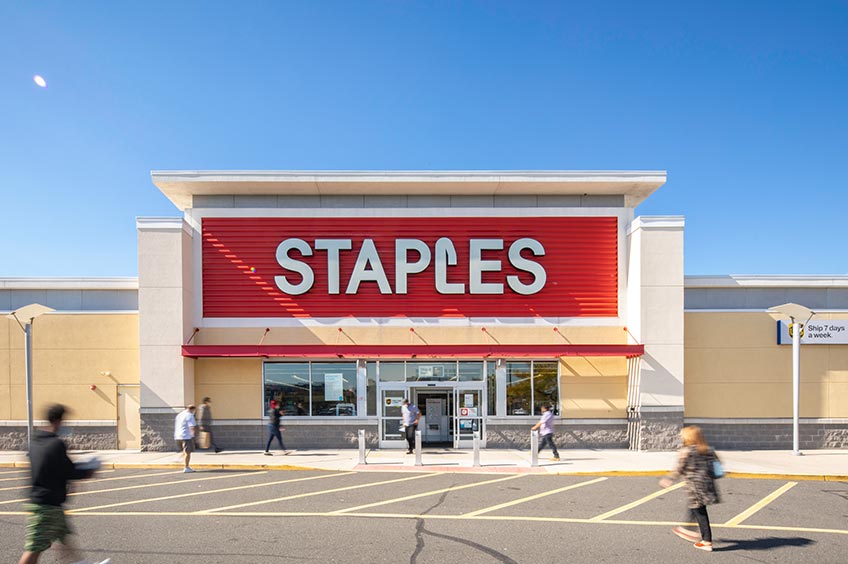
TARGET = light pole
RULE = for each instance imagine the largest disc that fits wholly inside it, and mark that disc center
(795, 313)
(25, 317)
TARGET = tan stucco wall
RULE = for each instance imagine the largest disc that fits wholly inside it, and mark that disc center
(593, 388)
(70, 353)
(367, 335)
(234, 386)
(736, 369)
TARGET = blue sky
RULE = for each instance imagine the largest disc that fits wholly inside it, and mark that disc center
(743, 103)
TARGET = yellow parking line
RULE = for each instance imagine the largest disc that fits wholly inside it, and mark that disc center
(191, 494)
(16, 471)
(147, 485)
(760, 504)
(636, 503)
(531, 498)
(323, 492)
(425, 494)
(10, 488)
(13, 479)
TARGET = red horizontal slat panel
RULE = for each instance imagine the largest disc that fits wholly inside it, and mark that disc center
(240, 266)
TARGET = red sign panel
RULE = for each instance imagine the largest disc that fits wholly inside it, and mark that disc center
(410, 267)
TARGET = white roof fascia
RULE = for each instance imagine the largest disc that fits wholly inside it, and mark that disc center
(766, 281)
(180, 186)
(104, 283)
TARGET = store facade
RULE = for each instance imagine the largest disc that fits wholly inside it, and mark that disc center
(479, 296)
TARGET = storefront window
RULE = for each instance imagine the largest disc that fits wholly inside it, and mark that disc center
(334, 388)
(545, 386)
(491, 387)
(288, 383)
(301, 388)
(470, 371)
(535, 379)
(431, 371)
(391, 372)
(518, 388)
(371, 371)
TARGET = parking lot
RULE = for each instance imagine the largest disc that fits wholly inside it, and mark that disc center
(151, 516)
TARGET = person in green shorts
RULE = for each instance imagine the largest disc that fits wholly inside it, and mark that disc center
(51, 471)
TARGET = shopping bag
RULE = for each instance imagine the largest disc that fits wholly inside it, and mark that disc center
(203, 439)
(717, 470)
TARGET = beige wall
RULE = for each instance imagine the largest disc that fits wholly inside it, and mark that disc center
(70, 353)
(735, 369)
(593, 388)
(234, 385)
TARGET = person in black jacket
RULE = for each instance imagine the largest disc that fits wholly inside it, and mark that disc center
(51, 471)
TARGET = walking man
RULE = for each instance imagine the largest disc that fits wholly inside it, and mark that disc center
(205, 417)
(185, 428)
(546, 424)
(51, 471)
(411, 415)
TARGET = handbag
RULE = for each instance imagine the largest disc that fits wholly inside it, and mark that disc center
(716, 470)
(203, 439)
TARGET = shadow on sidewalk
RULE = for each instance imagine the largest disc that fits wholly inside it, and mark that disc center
(765, 543)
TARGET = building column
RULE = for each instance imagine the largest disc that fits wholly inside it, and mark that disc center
(165, 300)
(655, 319)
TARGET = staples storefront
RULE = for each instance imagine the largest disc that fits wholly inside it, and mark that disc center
(479, 296)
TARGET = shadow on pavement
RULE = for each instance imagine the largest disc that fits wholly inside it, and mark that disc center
(765, 543)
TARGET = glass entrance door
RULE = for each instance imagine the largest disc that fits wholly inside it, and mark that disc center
(469, 415)
(391, 400)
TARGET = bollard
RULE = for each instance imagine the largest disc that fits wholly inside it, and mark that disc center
(418, 449)
(362, 446)
(475, 461)
(534, 448)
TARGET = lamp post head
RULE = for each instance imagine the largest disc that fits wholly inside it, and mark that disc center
(795, 311)
(25, 315)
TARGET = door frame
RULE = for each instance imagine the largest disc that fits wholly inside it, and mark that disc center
(460, 388)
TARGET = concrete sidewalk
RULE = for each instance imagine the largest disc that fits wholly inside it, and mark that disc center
(780, 464)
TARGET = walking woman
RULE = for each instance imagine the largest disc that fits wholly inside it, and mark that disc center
(695, 467)
(274, 414)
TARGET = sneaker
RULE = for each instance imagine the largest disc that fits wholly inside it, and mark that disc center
(555, 458)
(268, 453)
(217, 450)
(685, 534)
(703, 545)
(286, 452)
(409, 452)
(187, 470)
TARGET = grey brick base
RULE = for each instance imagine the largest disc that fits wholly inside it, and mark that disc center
(574, 436)
(659, 430)
(157, 431)
(79, 438)
(765, 435)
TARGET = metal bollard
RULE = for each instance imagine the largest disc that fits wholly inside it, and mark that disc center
(475, 461)
(534, 448)
(362, 446)
(418, 449)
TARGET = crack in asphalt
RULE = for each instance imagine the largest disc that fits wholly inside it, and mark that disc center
(421, 531)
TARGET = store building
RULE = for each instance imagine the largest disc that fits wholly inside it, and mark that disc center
(479, 295)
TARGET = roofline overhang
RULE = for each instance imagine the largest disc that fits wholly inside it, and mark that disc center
(180, 186)
(409, 351)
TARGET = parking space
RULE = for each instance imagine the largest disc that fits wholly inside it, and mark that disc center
(609, 501)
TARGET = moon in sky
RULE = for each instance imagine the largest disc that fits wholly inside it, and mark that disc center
(39, 80)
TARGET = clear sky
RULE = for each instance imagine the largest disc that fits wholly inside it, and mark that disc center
(745, 104)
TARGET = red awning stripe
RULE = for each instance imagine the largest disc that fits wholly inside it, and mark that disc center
(409, 351)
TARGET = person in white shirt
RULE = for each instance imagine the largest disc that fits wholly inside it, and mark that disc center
(185, 428)
(546, 424)
(411, 416)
